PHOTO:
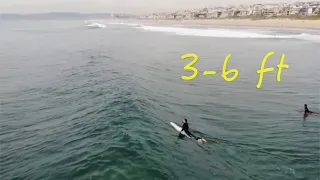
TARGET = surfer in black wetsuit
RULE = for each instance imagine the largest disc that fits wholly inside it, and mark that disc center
(185, 128)
(306, 110)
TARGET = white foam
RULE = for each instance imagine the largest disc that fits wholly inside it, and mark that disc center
(308, 37)
(126, 24)
(226, 33)
(96, 25)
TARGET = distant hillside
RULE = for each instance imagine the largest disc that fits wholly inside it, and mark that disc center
(59, 16)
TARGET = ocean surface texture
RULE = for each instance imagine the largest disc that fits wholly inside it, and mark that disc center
(94, 100)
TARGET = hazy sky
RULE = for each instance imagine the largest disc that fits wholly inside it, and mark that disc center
(114, 6)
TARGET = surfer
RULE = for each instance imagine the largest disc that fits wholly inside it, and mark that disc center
(202, 140)
(185, 128)
(306, 110)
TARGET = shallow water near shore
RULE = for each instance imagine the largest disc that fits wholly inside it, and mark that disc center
(80, 103)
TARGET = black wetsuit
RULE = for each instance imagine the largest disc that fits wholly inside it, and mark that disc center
(306, 110)
(185, 128)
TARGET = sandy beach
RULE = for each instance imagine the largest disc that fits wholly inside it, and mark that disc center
(284, 23)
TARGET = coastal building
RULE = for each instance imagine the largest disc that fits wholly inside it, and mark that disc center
(311, 8)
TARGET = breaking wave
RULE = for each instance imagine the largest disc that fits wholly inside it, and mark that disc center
(227, 33)
(126, 24)
(96, 25)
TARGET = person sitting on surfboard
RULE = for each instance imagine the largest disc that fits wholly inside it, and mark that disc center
(185, 128)
(306, 110)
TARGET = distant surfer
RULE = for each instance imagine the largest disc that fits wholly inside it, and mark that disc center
(185, 128)
(306, 110)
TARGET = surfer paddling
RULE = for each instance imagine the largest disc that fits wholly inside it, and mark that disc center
(185, 128)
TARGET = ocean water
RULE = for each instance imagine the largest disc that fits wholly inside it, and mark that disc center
(94, 101)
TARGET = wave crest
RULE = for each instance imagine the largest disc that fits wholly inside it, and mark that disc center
(95, 25)
(226, 33)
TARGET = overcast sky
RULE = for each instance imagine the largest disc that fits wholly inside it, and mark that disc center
(115, 6)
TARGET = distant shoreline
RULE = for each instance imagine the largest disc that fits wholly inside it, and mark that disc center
(277, 23)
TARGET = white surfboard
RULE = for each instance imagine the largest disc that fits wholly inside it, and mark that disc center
(178, 128)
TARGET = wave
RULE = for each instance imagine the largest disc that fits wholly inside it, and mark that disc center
(96, 25)
(226, 33)
(308, 37)
(126, 24)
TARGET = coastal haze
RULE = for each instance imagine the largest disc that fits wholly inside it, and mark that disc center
(114, 6)
(90, 95)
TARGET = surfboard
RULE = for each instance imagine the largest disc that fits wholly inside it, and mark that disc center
(178, 128)
(309, 114)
